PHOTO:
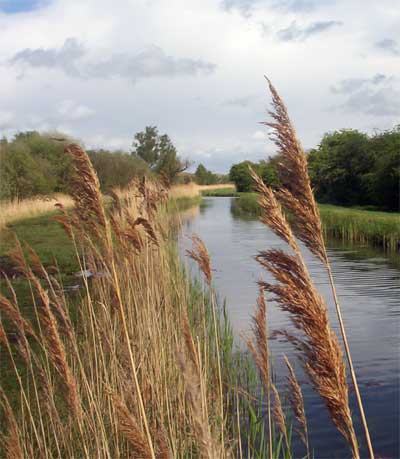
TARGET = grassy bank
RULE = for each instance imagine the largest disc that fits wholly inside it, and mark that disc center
(381, 229)
(221, 192)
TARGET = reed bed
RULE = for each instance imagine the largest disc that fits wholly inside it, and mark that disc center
(12, 211)
(140, 362)
(380, 229)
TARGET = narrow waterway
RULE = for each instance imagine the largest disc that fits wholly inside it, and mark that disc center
(368, 287)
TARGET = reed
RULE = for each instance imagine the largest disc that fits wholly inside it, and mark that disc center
(295, 291)
(100, 372)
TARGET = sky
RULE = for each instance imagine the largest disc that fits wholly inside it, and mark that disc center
(101, 71)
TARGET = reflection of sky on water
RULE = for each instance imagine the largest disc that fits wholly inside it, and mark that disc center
(368, 289)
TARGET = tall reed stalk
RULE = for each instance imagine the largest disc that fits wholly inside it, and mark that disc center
(297, 197)
(295, 292)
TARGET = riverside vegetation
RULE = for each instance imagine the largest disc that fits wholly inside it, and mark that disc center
(381, 229)
(140, 362)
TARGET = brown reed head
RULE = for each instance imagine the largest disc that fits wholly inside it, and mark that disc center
(85, 187)
(295, 194)
(200, 255)
(297, 403)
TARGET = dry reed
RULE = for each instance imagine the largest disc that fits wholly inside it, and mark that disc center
(297, 197)
(295, 292)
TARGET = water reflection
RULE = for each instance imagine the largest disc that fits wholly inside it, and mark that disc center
(367, 282)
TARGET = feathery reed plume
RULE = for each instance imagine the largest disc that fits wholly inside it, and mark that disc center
(201, 429)
(296, 196)
(89, 207)
(296, 294)
(279, 416)
(11, 442)
(200, 255)
(129, 428)
(85, 187)
(261, 356)
(297, 403)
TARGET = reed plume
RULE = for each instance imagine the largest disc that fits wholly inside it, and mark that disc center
(201, 429)
(297, 403)
(296, 294)
(129, 428)
(11, 441)
(260, 353)
(297, 197)
(200, 255)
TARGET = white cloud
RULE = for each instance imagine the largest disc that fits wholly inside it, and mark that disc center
(197, 68)
(72, 111)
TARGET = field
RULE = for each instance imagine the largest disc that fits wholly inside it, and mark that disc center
(381, 229)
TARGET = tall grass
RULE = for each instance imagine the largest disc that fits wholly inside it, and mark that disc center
(141, 362)
(12, 211)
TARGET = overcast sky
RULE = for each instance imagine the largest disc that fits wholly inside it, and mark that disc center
(102, 70)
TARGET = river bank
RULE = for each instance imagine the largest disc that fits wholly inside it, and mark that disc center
(379, 229)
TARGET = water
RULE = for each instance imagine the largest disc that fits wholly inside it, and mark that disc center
(368, 288)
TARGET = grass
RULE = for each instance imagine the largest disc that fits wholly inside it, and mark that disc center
(381, 229)
(15, 210)
(221, 192)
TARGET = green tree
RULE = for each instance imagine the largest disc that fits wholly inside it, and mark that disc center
(239, 174)
(159, 153)
(384, 180)
(116, 168)
(204, 176)
(339, 168)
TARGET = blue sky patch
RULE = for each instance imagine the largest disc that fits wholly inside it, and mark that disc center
(20, 6)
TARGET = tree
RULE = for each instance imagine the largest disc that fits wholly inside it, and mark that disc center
(239, 174)
(146, 145)
(339, 167)
(204, 176)
(159, 153)
(384, 180)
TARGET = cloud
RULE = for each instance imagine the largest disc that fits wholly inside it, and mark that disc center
(75, 61)
(65, 58)
(71, 111)
(375, 96)
(296, 33)
(6, 120)
(259, 135)
(242, 102)
(246, 7)
(388, 45)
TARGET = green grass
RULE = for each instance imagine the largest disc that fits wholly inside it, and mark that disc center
(221, 192)
(381, 229)
(46, 237)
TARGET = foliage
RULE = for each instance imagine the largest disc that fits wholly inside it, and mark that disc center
(240, 174)
(32, 164)
(116, 168)
(159, 153)
(204, 176)
(379, 229)
(350, 168)
(35, 164)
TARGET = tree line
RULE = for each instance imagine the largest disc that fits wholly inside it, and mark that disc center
(34, 163)
(348, 168)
